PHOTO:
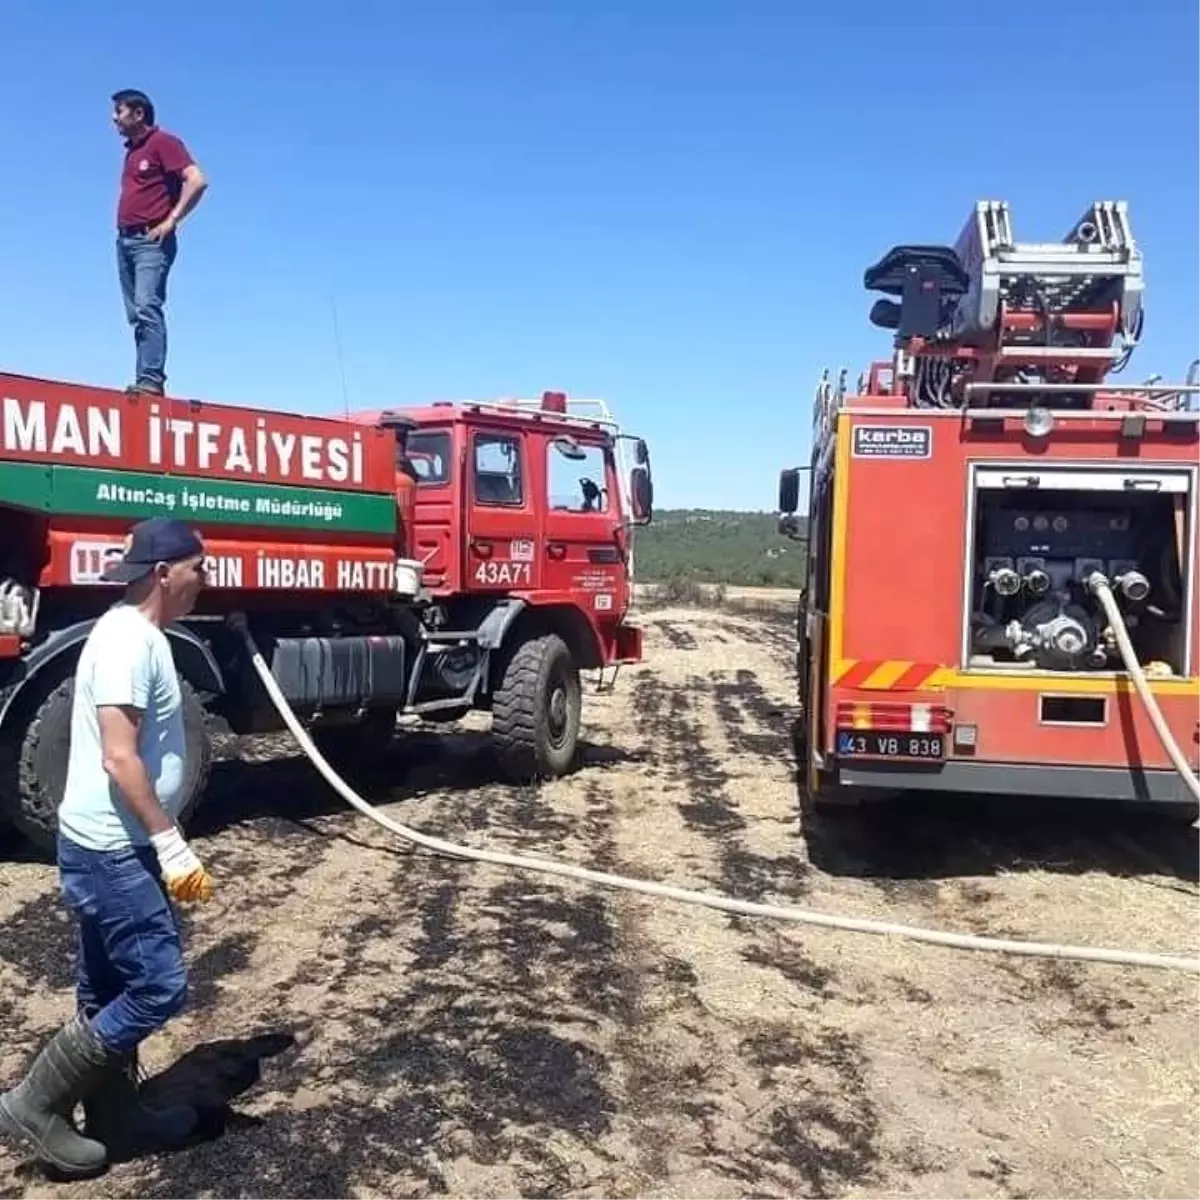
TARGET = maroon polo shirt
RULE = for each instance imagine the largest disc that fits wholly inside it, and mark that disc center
(152, 178)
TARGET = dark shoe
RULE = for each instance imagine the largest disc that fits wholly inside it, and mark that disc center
(115, 1115)
(144, 389)
(38, 1109)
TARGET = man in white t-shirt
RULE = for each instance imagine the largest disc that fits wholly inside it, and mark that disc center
(121, 858)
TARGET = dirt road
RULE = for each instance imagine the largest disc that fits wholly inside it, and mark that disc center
(387, 1023)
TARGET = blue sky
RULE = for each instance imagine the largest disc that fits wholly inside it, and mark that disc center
(666, 204)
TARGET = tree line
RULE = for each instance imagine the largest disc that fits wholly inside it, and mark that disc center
(745, 549)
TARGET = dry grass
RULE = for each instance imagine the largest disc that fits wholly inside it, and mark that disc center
(731, 598)
(367, 1020)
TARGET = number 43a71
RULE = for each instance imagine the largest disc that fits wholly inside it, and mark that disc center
(504, 574)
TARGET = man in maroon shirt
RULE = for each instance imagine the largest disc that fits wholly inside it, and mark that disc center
(160, 185)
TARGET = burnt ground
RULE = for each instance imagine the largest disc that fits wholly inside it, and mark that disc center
(368, 1019)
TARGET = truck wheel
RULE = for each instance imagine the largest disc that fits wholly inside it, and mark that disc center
(41, 764)
(832, 801)
(536, 711)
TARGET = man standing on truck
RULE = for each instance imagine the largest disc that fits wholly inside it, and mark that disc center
(121, 859)
(160, 184)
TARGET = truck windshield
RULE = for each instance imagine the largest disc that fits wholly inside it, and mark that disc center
(429, 454)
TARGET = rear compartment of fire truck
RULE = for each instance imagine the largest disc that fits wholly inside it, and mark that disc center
(1055, 484)
(1039, 532)
(1040, 537)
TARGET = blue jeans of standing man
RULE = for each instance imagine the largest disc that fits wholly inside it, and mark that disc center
(131, 977)
(143, 265)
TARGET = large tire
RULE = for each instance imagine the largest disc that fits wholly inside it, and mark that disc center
(40, 760)
(536, 711)
(833, 801)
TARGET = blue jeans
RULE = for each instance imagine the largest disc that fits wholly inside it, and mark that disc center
(143, 265)
(131, 977)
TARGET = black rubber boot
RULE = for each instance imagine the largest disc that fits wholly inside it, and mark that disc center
(37, 1111)
(115, 1115)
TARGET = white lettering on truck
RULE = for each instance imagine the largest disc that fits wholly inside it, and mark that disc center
(358, 576)
(25, 429)
(299, 573)
(179, 443)
(183, 444)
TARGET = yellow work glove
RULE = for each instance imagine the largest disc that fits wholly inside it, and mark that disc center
(182, 871)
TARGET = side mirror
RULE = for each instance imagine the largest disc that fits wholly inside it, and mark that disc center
(641, 491)
(789, 491)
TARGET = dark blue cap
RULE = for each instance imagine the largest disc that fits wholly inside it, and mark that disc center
(158, 540)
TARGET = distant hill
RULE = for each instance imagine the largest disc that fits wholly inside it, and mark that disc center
(713, 546)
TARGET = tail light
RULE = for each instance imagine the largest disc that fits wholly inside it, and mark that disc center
(895, 716)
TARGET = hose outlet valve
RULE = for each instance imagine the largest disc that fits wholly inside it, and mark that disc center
(1134, 586)
(1005, 580)
(1037, 582)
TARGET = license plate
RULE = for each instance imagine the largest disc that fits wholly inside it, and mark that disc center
(885, 743)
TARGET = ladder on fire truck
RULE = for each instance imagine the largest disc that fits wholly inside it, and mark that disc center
(994, 322)
(1096, 265)
(1017, 328)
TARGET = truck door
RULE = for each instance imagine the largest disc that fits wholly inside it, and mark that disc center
(502, 513)
(430, 454)
(583, 524)
(818, 632)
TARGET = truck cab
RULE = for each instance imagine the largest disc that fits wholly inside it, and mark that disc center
(529, 500)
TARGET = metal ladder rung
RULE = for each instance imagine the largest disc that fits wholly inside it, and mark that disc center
(1058, 352)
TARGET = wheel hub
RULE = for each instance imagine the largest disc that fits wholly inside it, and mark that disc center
(557, 713)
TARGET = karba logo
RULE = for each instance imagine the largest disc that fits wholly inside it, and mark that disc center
(895, 437)
(893, 441)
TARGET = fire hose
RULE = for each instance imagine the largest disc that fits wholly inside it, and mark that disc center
(1100, 587)
(778, 912)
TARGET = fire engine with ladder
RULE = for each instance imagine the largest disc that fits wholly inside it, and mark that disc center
(1002, 538)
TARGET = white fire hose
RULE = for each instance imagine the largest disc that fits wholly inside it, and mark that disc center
(1099, 584)
(778, 912)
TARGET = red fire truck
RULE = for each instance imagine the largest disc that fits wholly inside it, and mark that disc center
(456, 557)
(968, 501)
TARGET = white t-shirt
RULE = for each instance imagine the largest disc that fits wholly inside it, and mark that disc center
(126, 660)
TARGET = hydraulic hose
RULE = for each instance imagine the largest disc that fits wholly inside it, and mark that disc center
(778, 912)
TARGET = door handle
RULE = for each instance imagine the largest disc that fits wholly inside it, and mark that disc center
(556, 550)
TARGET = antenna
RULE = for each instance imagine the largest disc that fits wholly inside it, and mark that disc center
(337, 343)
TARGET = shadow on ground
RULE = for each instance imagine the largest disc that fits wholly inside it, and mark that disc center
(929, 835)
(208, 1078)
(287, 786)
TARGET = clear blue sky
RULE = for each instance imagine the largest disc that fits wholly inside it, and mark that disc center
(667, 204)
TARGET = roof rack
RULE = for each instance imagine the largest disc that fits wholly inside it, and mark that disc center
(580, 412)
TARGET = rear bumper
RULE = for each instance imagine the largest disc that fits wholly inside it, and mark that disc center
(1124, 784)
